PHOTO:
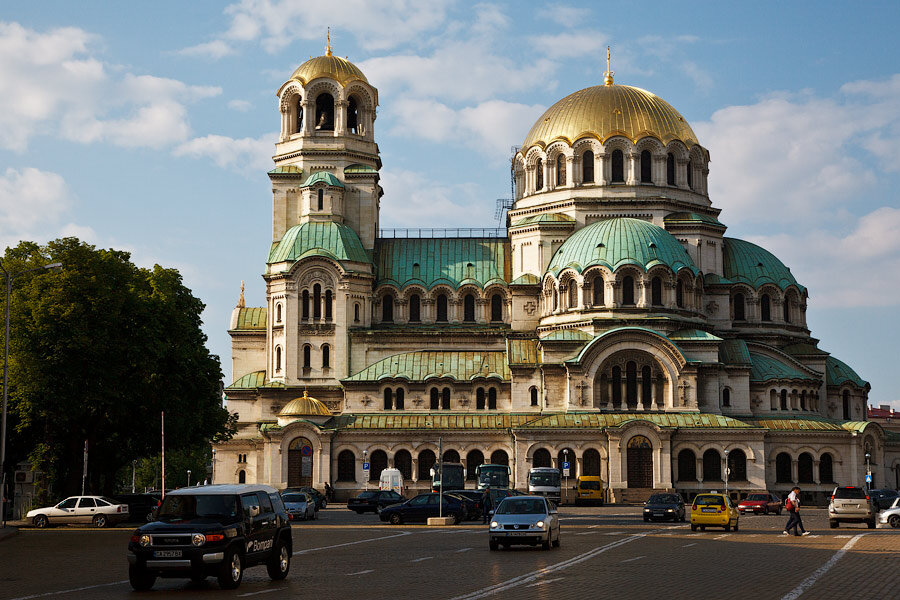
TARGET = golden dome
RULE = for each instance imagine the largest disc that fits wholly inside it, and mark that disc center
(341, 70)
(304, 406)
(603, 111)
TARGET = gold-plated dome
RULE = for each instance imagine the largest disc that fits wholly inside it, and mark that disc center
(341, 70)
(606, 110)
(304, 406)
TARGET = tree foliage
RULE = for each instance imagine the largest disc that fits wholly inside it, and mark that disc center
(98, 351)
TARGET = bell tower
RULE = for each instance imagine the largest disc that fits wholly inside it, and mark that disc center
(326, 158)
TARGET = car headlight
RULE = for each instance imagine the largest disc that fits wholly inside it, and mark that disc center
(670, 510)
(144, 541)
(539, 524)
(646, 510)
(198, 539)
(494, 524)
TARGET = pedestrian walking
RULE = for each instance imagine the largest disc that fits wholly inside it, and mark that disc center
(486, 505)
(792, 504)
(329, 492)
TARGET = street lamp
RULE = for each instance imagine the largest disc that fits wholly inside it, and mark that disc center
(189, 478)
(9, 281)
(727, 472)
(868, 471)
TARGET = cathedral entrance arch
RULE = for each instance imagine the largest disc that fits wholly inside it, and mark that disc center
(640, 462)
(300, 463)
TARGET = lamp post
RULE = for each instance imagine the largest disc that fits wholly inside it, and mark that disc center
(189, 478)
(868, 470)
(727, 472)
(9, 281)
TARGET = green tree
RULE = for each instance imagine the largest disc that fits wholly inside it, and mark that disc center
(98, 351)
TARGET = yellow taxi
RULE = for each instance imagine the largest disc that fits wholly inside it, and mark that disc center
(589, 490)
(714, 510)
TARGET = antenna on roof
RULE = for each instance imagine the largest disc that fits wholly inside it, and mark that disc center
(504, 204)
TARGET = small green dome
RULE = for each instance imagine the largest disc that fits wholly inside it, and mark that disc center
(754, 265)
(330, 239)
(324, 177)
(622, 241)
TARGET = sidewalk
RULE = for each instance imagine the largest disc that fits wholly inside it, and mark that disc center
(8, 532)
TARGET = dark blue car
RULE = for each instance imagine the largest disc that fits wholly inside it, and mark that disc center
(423, 506)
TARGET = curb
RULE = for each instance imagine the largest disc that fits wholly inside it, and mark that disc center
(8, 532)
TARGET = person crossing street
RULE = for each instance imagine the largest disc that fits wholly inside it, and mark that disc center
(792, 504)
(486, 505)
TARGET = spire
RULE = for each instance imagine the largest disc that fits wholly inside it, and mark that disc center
(328, 43)
(241, 303)
(608, 74)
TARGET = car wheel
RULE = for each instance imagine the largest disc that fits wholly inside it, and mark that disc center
(231, 572)
(556, 541)
(396, 519)
(832, 523)
(149, 517)
(703, 528)
(546, 544)
(493, 545)
(279, 563)
(455, 519)
(693, 527)
(871, 524)
(100, 521)
(894, 520)
(140, 578)
(728, 527)
(41, 521)
(736, 526)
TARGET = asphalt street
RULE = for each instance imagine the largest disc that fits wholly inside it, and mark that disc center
(604, 551)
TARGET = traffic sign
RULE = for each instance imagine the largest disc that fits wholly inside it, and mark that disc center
(565, 468)
(565, 464)
(365, 466)
(868, 478)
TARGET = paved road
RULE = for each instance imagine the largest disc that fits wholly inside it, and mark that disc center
(605, 551)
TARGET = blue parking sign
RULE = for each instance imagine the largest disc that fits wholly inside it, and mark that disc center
(365, 466)
(565, 464)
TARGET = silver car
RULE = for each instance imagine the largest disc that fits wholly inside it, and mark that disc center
(850, 504)
(299, 506)
(891, 515)
(99, 510)
(528, 520)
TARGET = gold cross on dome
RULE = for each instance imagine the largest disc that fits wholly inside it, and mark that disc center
(608, 74)
(328, 43)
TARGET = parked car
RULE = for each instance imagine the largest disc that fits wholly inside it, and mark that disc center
(528, 520)
(422, 507)
(761, 504)
(373, 500)
(850, 504)
(300, 506)
(714, 510)
(99, 510)
(589, 490)
(664, 507)
(469, 505)
(140, 506)
(883, 499)
(891, 516)
(319, 497)
(212, 530)
(474, 496)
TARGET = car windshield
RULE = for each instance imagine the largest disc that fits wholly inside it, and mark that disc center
(521, 506)
(710, 500)
(547, 479)
(294, 498)
(365, 495)
(663, 499)
(590, 485)
(757, 497)
(200, 506)
(853, 493)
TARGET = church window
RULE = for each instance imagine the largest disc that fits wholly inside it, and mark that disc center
(388, 399)
(278, 313)
(534, 396)
(803, 400)
(305, 310)
(598, 291)
(470, 271)
(474, 459)
(784, 405)
(618, 166)
(469, 308)
(479, 399)
(356, 313)
(496, 308)
(299, 114)
(739, 307)
(492, 399)
(617, 386)
(587, 167)
(786, 308)
(826, 468)
(765, 308)
(712, 465)
(416, 271)
(560, 170)
(277, 358)
(628, 290)
(656, 291)
(646, 386)
(631, 383)
(307, 353)
(679, 295)
(320, 196)
(846, 403)
(328, 305)
(687, 466)
(441, 308)
(352, 116)
(435, 399)
(726, 397)
(445, 399)
(346, 470)
(539, 175)
(325, 112)
(414, 311)
(400, 397)
(646, 167)
(403, 462)
(326, 356)
(426, 462)
(541, 458)
(377, 464)
(670, 169)
(387, 309)
(242, 476)
(317, 302)
(783, 468)
(737, 462)
(573, 295)
(690, 174)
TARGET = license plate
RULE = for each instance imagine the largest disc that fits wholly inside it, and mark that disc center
(709, 510)
(167, 554)
(516, 533)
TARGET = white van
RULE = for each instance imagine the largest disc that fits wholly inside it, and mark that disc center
(391, 479)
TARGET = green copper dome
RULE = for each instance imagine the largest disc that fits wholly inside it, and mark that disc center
(330, 239)
(755, 266)
(324, 177)
(617, 242)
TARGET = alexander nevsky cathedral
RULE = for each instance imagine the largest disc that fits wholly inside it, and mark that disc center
(611, 322)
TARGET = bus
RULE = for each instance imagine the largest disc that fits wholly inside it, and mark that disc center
(496, 476)
(544, 481)
(453, 476)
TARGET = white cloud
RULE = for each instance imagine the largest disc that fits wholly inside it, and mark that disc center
(245, 154)
(412, 200)
(575, 44)
(567, 16)
(30, 196)
(240, 105)
(215, 50)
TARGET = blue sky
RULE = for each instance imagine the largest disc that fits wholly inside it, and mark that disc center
(149, 127)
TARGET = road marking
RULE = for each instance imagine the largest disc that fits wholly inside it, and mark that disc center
(814, 536)
(615, 533)
(385, 537)
(632, 559)
(809, 581)
(81, 589)
(544, 581)
(260, 592)
(361, 572)
(588, 533)
(719, 537)
(530, 577)
(689, 545)
(463, 550)
(843, 536)
(421, 559)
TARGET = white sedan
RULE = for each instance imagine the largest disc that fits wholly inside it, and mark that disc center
(891, 516)
(99, 510)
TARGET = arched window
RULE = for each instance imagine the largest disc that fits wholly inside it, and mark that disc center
(346, 467)
(328, 309)
(541, 458)
(846, 403)
(320, 196)
(739, 307)
(326, 356)
(597, 291)
(534, 396)
(479, 398)
(573, 295)
(400, 395)
(492, 398)
(618, 166)
(496, 308)
(803, 400)
(388, 399)
(690, 174)
(628, 290)
(403, 463)
(473, 459)
(670, 169)
(325, 112)
(414, 316)
(356, 313)
(726, 397)
(445, 399)
(656, 291)
(712, 465)
(278, 313)
(765, 308)
(826, 468)
(377, 464)
(305, 308)
(646, 387)
(441, 308)
(451, 456)
(469, 308)
(646, 167)
(499, 457)
(786, 309)
(435, 403)
(679, 295)
(560, 170)
(590, 463)
(317, 301)
(242, 476)
(426, 462)
(299, 114)
(804, 468)
(539, 175)
(307, 361)
(784, 405)
(278, 358)
(387, 309)
(631, 383)
(687, 463)
(737, 462)
(783, 468)
(352, 116)
(587, 167)
(616, 386)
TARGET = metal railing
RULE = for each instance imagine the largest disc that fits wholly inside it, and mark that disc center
(446, 232)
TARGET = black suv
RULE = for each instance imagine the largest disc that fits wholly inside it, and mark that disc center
(212, 530)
